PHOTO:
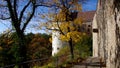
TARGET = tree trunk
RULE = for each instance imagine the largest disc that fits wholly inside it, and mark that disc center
(22, 51)
(71, 48)
(107, 18)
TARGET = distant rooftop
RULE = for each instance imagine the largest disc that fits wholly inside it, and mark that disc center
(87, 15)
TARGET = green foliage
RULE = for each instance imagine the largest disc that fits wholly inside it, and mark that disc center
(38, 47)
(50, 65)
(63, 51)
(84, 46)
(45, 36)
(82, 50)
(5, 54)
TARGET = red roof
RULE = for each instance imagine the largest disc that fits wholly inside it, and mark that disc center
(86, 16)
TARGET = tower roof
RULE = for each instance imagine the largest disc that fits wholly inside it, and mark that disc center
(86, 16)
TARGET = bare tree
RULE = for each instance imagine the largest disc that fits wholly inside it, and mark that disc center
(20, 13)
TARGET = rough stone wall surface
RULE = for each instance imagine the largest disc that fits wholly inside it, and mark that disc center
(108, 36)
(95, 37)
(99, 38)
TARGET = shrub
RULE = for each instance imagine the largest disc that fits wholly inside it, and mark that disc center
(84, 46)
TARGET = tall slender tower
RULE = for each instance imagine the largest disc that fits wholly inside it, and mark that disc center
(57, 43)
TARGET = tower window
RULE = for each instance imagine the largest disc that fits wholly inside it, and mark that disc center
(58, 48)
(89, 26)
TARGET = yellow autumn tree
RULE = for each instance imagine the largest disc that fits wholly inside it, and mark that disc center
(69, 28)
(63, 18)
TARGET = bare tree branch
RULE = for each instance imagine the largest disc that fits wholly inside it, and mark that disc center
(15, 10)
(23, 10)
(10, 10)
(3, 18)
(1, 5)
(30, 17)
(60, 28)
(48, 5)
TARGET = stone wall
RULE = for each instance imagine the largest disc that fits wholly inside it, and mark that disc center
(106, 42)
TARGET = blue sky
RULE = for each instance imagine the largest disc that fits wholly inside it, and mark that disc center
(88, 6)
(4, 25)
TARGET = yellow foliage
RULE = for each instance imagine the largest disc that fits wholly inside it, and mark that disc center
(50, 39)
(61, 16)
(1, 48)
(64, 26)
(54, 25)
(78, 7)
(64, 38)
(78, 21)
(75, 35)
(42, 16)
(72, 28)
(56, 1)
(10, 42)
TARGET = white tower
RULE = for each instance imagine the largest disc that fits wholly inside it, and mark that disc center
(57, 43)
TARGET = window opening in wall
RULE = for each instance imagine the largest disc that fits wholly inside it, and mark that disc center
(58, 48)
(88, 30)
(89, 26)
